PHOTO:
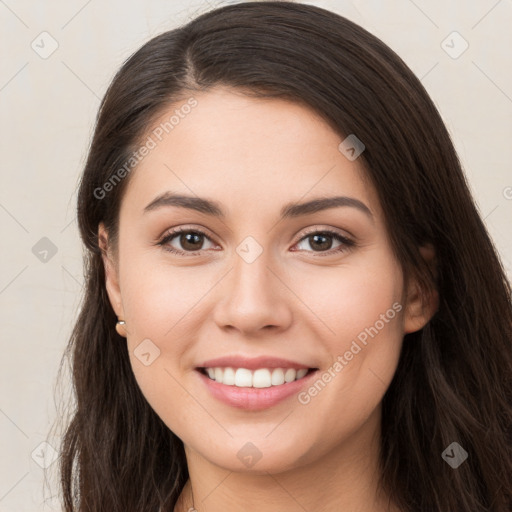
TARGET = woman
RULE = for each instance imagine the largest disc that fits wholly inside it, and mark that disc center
(292, 302)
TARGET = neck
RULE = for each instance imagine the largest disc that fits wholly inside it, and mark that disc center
(344, 478)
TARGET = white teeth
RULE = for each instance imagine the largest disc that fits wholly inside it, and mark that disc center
(290, 375)
(243, 378)
(260, 378)
(228, 377)
(301, 373)
(277, 377)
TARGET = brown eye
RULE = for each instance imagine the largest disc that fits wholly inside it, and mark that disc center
(321, 242)
(189, 241)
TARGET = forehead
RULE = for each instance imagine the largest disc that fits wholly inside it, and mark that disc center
(248, 153)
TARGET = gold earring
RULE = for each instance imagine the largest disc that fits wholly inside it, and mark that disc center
(120, 328)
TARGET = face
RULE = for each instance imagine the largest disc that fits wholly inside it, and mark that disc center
(319, 287)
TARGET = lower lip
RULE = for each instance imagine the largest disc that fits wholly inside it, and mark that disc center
(254, 399)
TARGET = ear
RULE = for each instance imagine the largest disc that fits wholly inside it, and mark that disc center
(111, 272)
(420, 307)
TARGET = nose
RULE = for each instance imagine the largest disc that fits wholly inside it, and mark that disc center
(253, 299)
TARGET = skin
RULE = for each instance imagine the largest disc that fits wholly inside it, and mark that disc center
(253, 156)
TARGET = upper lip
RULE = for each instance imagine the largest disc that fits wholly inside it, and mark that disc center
(236, 361)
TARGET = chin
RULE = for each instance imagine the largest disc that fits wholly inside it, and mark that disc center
(258, 457)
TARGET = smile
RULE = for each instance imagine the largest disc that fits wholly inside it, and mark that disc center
(259, 378)
(256, 392)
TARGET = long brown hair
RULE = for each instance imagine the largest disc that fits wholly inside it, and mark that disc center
(453, 382)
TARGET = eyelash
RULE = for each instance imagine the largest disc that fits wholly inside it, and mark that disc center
(347, 244)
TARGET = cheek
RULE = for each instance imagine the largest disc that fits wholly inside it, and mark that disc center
(159, 308)
(348, 300)
(362, 310)
(361, 330)
(161, 298)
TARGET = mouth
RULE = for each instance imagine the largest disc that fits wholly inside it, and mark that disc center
(254, 390)
(258, 378)
(255, 383)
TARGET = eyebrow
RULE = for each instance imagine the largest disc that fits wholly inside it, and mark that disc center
(290, 210)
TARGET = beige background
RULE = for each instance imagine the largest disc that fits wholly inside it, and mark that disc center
(48, 106)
